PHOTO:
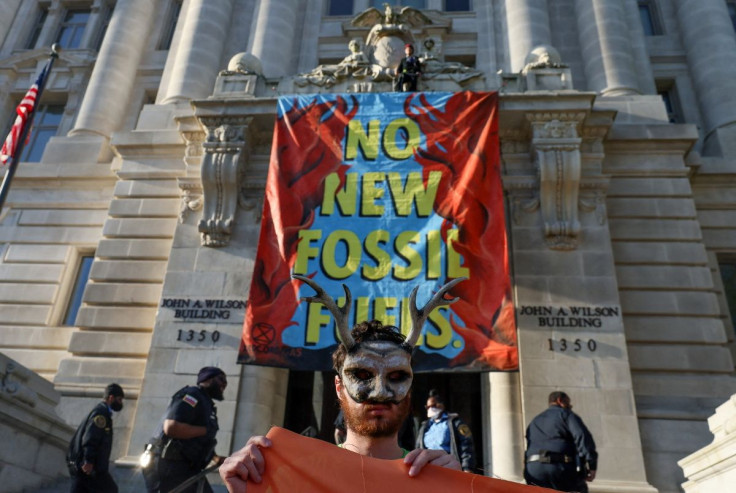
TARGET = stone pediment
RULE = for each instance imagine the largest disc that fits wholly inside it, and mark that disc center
(19, 71)
(25, 60)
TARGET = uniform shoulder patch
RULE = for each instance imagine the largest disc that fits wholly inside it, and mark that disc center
(99, 421)
(464, 430)
(191, 400)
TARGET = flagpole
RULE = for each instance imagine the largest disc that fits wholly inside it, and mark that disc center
(15, 159)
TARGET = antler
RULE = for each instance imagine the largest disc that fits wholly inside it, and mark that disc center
(341, 314)
(419, 315)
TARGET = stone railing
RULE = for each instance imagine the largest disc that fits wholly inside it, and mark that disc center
(713, 468)
(33, 450)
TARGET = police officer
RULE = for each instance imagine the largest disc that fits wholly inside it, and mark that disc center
(185, 439)
(409, 71)
(446, 431)
(560, 451)
(88, 456)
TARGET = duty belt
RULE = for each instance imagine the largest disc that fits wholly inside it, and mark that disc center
(550, 457)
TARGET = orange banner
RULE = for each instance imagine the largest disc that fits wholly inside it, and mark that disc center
(298, 464)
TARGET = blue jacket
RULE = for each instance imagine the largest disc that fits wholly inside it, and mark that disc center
(461, 440)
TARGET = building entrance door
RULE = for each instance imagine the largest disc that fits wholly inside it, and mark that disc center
(311, 403)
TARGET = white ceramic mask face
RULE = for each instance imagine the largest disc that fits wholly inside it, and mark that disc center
(377, 371)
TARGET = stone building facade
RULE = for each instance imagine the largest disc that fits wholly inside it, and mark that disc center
(139, 197)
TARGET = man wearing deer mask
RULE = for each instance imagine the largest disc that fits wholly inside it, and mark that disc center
(373, 385)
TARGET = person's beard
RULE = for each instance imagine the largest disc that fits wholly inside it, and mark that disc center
(374, 426)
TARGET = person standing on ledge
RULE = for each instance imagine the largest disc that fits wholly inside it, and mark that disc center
(88, 457)
(408, 72)
(560, 451)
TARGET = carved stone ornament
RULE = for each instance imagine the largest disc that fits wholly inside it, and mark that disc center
(593, 197)
(221, 168)
(556, 148)
(543, 71)
(523, 194)
(191, 199)
(372, 62)
(13, 384)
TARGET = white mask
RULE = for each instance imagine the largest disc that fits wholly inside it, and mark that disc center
(377, 371)
(433, 412)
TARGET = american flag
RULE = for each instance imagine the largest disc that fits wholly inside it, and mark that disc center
(24, 111)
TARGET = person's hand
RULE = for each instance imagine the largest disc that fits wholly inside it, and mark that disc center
(245, 464)
(590, 476)
(87, 468)
(421, 457)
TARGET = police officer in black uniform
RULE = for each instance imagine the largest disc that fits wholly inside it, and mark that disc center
(185, 439)
(560, 451)
(88, 456)
(409, 71)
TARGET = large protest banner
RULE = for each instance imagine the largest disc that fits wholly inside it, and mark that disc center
(382, 193)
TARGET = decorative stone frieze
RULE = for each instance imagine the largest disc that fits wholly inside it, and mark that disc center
(224, 152)
(556, 147)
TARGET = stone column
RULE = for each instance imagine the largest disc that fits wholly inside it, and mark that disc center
(273, 35)
(642, 63)
(200, 48)
(707, 35)
(528, 26)
(607, 50)
(507, 430)
(261, 402)
(105, 102)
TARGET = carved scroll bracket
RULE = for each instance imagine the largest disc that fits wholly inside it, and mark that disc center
(225, 148)
(556, 147)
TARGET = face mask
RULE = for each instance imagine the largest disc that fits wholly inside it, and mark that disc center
(433, 412)
(116, 406)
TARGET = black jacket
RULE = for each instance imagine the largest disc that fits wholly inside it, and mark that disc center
(92, 442)
(410, 66)
(560, 430)
(461, 440)
(192, 405)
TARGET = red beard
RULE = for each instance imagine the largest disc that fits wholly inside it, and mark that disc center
(360, 421)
